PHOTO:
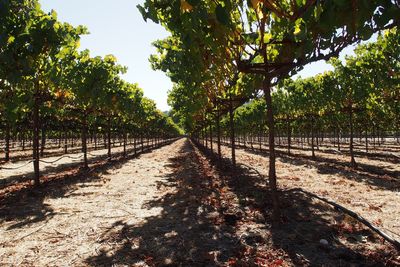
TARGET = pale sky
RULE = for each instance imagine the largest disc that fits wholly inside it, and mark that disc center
(117, 27)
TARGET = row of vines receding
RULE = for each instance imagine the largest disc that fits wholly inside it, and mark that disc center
(54, 95)
(230, 62)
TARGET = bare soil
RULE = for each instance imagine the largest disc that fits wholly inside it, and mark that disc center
(21, 168)
(372, 189)
(53, 149)
(176, 207)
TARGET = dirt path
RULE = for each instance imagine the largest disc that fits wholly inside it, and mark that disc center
(173, 207)
(67, 226)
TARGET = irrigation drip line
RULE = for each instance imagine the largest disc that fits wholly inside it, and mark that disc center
(90, 154)
(43, 161)
(54, 161)
(393, 241)
(15, 168)
(394, 155)
(391, 231)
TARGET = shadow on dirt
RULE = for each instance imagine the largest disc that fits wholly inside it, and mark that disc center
(367, 169)
(305, 221)
(200, 223)
(24, 203)
(186, 232)
(58, 167)
(372, 175)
